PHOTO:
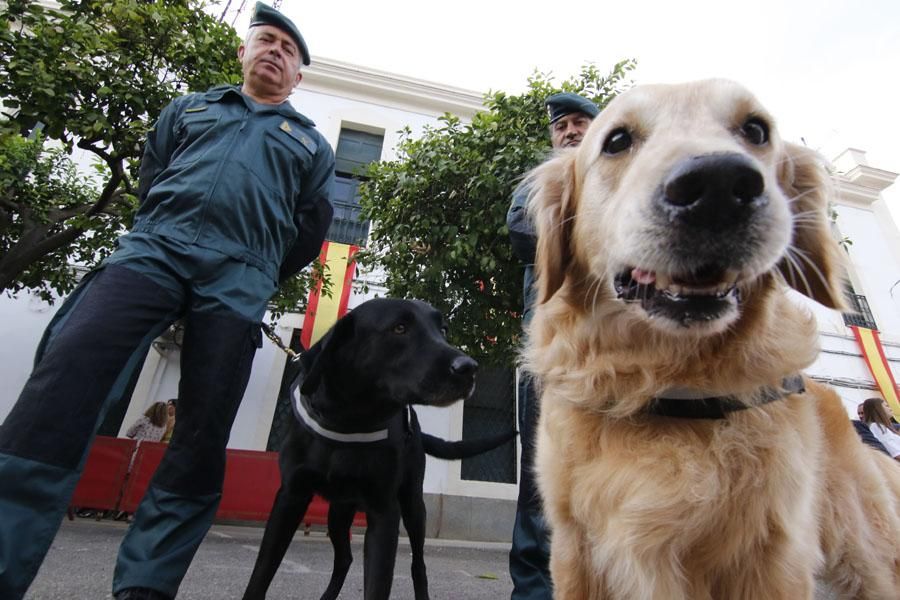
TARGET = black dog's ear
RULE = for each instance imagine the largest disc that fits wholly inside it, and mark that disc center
(322, 353)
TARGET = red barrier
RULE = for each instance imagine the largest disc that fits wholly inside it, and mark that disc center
(104, 474)
(146, 460)
(251, 481)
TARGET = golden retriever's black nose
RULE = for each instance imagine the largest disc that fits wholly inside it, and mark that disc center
(713, 190)
(463, 365)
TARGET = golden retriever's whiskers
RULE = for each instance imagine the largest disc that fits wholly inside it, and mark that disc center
(812, 264)
(808, 218)
(594, 291)
(800, 196)
(795, 270)
(794, 253)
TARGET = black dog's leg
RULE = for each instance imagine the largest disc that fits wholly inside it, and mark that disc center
(380, 552)
(340, 519)
(412, 507)
(287, 510)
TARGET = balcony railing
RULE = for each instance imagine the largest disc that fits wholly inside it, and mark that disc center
(347, 231)
(860, 314)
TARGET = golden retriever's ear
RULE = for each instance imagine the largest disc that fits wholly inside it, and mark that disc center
(551, 207)
(815, 263)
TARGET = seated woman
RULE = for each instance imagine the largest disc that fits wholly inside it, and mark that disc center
(876, 414)
(151, 426)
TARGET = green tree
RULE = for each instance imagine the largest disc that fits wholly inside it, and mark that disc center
(439, 211)
(41, 186)
(93, 77)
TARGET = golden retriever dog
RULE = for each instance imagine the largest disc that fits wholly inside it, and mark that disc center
(681, 454)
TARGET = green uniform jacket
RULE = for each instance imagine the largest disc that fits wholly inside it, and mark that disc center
(250, 180)
(524, 243)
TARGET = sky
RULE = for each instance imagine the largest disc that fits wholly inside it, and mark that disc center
(829, 71)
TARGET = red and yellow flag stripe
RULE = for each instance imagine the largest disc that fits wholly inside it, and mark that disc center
(873, 353)
(321, 311)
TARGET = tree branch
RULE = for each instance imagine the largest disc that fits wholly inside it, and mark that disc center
(86, 144)
(23, 254)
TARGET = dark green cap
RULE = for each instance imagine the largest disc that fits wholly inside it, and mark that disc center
(263, 14)
(566, 103)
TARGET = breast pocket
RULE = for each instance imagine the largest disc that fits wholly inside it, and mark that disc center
(287, 160)
(194, 137)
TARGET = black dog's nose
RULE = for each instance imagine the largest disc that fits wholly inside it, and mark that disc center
(463, 365)
(714, 190)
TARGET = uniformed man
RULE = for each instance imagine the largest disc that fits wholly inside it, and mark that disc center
(234, 198)
(529, 556)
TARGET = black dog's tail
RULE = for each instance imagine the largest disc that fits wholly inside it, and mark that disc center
(447, 450)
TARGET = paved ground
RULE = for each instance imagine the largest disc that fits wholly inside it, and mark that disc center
(80, 564)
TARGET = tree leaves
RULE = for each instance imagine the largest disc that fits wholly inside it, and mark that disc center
(439, 211)
(92, 74)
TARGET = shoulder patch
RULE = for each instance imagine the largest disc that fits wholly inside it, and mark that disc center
(297, 134)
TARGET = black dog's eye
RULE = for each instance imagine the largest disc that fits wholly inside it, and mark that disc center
(756, 131)
(400, 328)
(617, 141)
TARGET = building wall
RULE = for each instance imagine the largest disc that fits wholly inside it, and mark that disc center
(873, 266)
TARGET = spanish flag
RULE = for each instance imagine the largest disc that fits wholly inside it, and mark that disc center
(873, 353)
(321, 311)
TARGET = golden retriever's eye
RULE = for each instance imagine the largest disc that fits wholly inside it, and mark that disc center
(756, 131)
(400, 328)
(617, 141)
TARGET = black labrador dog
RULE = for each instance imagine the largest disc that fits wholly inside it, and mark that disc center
(356, 440)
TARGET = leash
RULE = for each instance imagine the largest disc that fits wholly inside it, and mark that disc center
(270, 333)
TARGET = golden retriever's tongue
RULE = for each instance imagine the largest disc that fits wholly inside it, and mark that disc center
(643, 277)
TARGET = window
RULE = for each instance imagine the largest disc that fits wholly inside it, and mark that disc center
(355, 150)
(491, 411)
(859, 314)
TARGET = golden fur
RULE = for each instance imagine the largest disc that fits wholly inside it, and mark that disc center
(753, 506)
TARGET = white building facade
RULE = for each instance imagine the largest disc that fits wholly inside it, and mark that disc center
(873, 271)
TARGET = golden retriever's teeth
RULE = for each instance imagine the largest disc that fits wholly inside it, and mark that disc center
(663, 281)
(643, 277)
(697, 291)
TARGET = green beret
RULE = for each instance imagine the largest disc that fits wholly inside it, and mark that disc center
(566, 103)
(263, 14)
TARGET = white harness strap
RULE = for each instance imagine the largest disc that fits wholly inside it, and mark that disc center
(309, 421)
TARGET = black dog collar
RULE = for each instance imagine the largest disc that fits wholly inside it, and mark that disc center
(687, 406)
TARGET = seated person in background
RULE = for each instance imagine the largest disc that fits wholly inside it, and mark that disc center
(151, 426)
(876, 414)
(171, 405)
(865, 434)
